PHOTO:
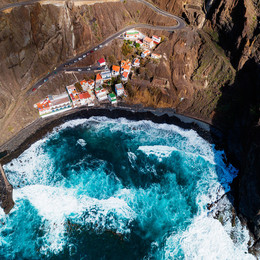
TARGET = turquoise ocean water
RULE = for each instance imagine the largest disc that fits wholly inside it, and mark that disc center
(103, 188)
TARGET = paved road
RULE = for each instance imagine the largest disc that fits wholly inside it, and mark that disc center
(64, 67)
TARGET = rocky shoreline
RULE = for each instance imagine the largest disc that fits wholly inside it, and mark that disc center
(40, 127)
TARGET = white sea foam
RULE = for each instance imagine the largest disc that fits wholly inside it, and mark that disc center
(206, 238)
(56, 204)
(82, 142)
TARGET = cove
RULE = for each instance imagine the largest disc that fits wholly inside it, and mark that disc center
(103, 188)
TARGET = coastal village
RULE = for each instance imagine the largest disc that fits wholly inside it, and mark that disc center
(108, 84)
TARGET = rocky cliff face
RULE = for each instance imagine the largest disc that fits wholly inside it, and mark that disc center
(34, 39)
(233, 26)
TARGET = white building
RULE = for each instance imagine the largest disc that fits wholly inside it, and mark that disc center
(119, 88)
(106, 75)
(131, 35)
(145, 53)
(156, 39)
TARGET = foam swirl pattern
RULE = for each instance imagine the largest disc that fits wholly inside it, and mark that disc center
(104, 188)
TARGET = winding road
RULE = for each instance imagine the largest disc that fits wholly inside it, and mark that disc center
(64, 67)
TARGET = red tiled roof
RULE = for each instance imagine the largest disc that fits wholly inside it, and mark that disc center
(84, 95)
(147, 39)
(125, 74)
(115, 68)
(126, 67)
(102, 60)
(91, 81)
(83, 82)
(98, 77)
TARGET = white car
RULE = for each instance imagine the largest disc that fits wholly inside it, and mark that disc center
(88, 68)
(75, 61)
(84, 56)
(80, 58)
(79, 69)
(100, 46)
(95, 49)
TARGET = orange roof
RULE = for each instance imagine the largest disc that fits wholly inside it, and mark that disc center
(115, 68)
(83, 82)
(98, 77)
(136, 61)
(126, 67)
(125, 74)
(147, 51)
(84, 95)
(91, 81)
(123, 62)
(147, 39)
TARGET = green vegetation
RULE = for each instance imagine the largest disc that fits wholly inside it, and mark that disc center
(127, 48)
(164, 38)
(78, 87)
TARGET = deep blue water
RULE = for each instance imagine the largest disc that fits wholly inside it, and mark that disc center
(104, 188)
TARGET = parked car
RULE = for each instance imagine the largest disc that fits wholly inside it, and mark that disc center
(84, 56)
(33, 89)
(79, 69)
(100, 46)
(79, 58)
(95, 49)
(88, 68)
(92, 51)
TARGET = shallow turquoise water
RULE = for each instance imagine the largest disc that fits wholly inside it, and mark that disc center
(104, 188)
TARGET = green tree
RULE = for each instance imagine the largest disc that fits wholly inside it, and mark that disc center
(126, 49)
(78, 87)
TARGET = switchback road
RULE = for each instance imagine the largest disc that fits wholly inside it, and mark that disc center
(64, 67)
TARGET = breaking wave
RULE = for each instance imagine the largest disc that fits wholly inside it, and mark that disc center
(121, 189)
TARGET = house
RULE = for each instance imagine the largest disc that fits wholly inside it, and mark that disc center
(156, 39)
(99, 80)
(85, 98)
(60, 102)
(145, 53)
(115, 70)
(74, 95)
(155, 56)
(43, 106)
(123, 63)
(124, 76)
(100, 93)
(119, 88)
(102, 62)
(125, 68)
(53, 104)
(136, 62)
(112, 98)
(139, 42)
(106, 75)
(148, 43)
(91, 83)
(84, 85)
(131, 35)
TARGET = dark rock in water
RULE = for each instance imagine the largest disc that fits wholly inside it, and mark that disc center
(6, 192)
